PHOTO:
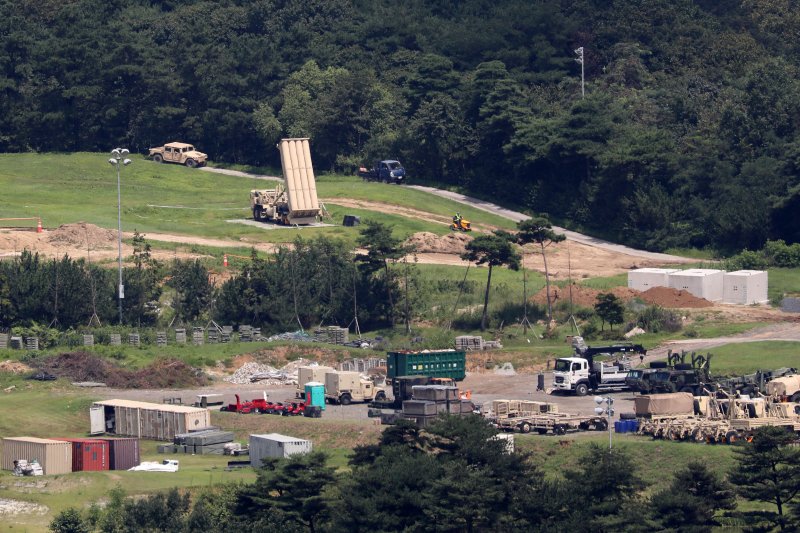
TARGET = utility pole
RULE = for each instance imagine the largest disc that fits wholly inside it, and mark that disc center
(579, 59)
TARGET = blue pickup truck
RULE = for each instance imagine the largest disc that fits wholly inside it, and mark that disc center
(387, 171)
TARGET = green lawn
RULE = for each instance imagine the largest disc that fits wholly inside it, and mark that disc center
(744, 358)
(173, 199)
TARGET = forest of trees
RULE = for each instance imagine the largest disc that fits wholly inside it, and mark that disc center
(688, 134)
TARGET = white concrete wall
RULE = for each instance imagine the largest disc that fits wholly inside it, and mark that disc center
(745, 287)
(703, 283)
(644, 278)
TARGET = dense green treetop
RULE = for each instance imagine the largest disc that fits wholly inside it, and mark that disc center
(687, 134)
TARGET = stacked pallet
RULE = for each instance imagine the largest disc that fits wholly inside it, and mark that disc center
(207, 442)
(469, 343)
(429, 401)
(332, 335)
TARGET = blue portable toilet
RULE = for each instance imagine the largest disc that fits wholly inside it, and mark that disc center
(619, 426)
(633, 425)
(315, 394)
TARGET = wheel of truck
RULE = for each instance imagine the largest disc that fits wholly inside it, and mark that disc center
(380, 396)
(191, 163)
(581, 389)
(223, 408)
(525, 427)
(158, 158)
(560, 429)
(732, 437)
(345, 399)
(601, 425)
(795, 397)
(257, 411)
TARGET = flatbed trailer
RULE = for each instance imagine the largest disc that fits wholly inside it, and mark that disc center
(555, 423)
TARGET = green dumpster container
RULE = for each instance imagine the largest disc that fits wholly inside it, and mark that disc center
(431, 363)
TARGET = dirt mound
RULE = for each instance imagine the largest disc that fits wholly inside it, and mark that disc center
(587, 297)
(581, 296)
(82, 234)
(426, 242)
(14, 367)
(83, 366)
(666, 297)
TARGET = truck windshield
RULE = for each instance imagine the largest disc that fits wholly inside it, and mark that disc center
(634, 374)
(562, 365)
(394, 165)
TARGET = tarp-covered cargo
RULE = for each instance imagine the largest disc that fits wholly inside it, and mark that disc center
(675, 403)
(784, 386)
(146, 420)
(54, 456)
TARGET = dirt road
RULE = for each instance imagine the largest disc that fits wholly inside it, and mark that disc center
(571, 235)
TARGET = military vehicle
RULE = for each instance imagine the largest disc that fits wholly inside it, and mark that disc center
(180, 153)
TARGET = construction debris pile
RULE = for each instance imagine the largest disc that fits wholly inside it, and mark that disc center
(266, 374)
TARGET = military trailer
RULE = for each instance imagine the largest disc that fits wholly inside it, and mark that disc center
(347, 387)
(308, 374)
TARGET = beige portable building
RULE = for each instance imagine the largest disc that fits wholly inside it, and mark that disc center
(54, 456)
(301, 187)
(701, 282)
(144, 420)
(642, 279)
(744, 287)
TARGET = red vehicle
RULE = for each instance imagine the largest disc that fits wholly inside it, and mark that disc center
(262, 406)
(257, 406)
(294, 409)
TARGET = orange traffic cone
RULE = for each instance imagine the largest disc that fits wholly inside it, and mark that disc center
(39, 226)
(225, 260)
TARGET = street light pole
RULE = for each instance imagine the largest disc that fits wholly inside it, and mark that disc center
(579, 59)
(608, 410)
(117, 157)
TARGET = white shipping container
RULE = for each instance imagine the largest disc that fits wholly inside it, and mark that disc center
(275, 445)
(642, 279)
(745, 287)
(701, 282)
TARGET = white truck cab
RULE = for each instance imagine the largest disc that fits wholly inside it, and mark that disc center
(573, 374)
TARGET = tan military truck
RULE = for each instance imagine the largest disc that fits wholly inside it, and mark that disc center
(785, 388)
(307, 374)
(347, 387)
(180, 153)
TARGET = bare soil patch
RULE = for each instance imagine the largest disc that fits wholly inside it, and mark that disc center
(587, 297)
(426, 242)
(83, 366)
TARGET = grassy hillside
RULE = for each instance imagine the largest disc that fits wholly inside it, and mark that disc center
(64, 188)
